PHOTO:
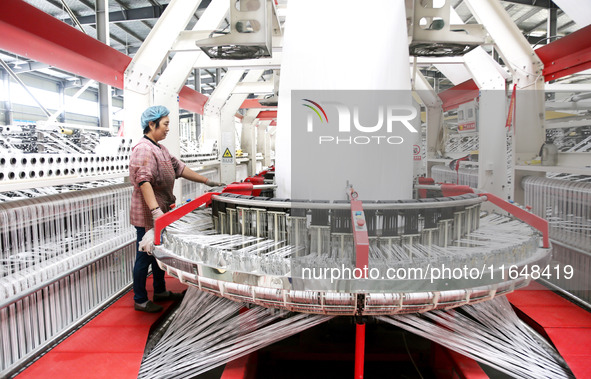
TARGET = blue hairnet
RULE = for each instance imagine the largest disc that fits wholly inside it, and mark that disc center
(153, 113)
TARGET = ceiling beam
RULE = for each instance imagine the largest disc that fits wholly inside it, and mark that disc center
(527, 15)
(69, 49)
(59, 6)
(122, 27)
(129, 31)
(543, 23)
(432, 74)
(535, 3)
(567, 25)
(210, 73)
(152, 12)
(129, 49)
(207, 80)
(126, 7)
(134, 14)
(507, 8)
(30, 66)
(541, 40)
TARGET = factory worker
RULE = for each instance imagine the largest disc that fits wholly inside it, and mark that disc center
(152, 171)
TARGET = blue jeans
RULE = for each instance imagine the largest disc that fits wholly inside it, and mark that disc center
(140, 271)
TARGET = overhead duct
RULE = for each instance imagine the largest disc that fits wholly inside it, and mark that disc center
(251, 27)
(431, 34)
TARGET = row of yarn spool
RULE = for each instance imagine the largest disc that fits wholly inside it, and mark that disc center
(41, 166)
(498, 240)
(18, 166)
(25, 166)
(565, 204)
(42, 237)
(464, 176)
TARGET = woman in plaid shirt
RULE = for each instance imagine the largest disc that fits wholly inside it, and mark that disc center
(152, 171)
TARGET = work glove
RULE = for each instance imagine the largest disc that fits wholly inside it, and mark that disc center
(147, 243)
(157, 212)
(211, 183)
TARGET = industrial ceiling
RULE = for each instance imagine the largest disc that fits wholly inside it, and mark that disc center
(132, 20)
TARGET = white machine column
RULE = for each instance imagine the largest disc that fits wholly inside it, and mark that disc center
(526, 69)
(178, 69)
(434, 115)
(221, 129)
(492, 134)
(140, 73)
(228, 130)
(322, 50)
(417, 142)
(104, 90)
(166, 89)
(249, 139)
(271, 133)
(228, 142)
(168, 98)
(263, 145)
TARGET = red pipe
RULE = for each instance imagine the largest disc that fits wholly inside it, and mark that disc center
(32, 33)
(525, 216)
(175, 214)
(169, 217)
(359, 350)
(361, 240)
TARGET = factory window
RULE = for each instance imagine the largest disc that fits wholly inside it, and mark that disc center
(117, 113)
(49, 99)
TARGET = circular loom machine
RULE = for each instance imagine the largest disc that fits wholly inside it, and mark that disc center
(349, 257)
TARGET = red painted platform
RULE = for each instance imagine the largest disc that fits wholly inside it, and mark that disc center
(112, 344)
(109, 346)
(567, 325)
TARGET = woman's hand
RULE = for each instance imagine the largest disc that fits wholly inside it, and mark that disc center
(195, 177)
(147, 243)
(211, 183)
(156, 212)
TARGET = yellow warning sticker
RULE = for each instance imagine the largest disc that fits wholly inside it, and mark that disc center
(227, 154)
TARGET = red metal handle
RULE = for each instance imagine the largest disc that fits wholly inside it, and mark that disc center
(525, 216)
(168, 218)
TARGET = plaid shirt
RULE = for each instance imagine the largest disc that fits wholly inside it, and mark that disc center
(151, 162)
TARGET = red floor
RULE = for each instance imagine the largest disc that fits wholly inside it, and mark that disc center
(112, 344)
(109, 346)
(566, 324)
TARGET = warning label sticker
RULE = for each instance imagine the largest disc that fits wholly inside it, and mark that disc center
(227, 157)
